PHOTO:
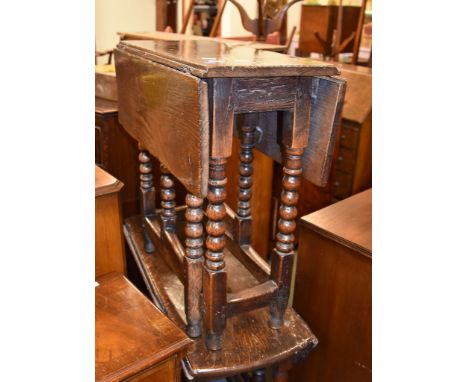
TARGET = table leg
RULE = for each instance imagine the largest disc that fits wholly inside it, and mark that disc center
(214, 275)
(147, 194)
(283, 254)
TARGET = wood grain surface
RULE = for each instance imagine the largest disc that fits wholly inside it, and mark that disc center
(165, 109)
(209, 58)
(105, 183)
(335, 268)
(186, 37)
(348, 221)
(131, 333)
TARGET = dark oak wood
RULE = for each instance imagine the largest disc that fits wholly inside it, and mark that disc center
(335, 268)
(327, 101)
(109, 244)
(163, 108)
(134, 340)
(211, 58)
(183, 37)
(179, 100)
(260, 345)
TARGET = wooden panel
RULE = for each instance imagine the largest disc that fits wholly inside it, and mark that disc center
(358, 100)
(167, 112)
(109, 246)
(105, 183)
(210, 58)
(349, 136)
(108, 239)
(349, 222)
(167, 371)
(131, 333)
(342, 184)
(338, 302)
(345, 160)
(363, 169)
(327, 100)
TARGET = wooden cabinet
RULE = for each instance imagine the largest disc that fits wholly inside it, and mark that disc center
(334, 290)
(134, 340)
(109, 244)
(352, 170)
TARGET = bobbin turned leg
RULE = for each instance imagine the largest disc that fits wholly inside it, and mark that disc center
(193, 263)
(168, 204)
(147, 194)
(214, 276)
(247, 138)
(283, 254)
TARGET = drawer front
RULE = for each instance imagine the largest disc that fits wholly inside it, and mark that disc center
(342, 183)
(349, 137)
(345, 160)
(166, 371)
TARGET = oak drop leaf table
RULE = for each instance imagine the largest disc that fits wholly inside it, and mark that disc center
(178, 99)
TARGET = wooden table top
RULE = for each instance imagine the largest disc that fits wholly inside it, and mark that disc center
(348, 222)
(212, 58)
(186, 37)
(105, 183)
(131, 333)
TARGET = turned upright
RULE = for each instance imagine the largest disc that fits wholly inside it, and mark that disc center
(179, 99)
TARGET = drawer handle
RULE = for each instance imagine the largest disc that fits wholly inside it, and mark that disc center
(339, 159)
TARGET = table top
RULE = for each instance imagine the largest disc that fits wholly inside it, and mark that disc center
(181, 37)
(105, 183)
(348, 222)
(212, 58)
(131, 333)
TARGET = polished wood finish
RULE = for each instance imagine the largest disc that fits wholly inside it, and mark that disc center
(179, 100)
(134, 340)
(211, 58)
(352, 172)
(335, 268)
(183, 37)
(109, 245)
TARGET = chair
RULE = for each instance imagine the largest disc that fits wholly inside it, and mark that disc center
(179, 99)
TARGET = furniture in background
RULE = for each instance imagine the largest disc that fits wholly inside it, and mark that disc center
(352, 170)
(318, 25)
(351, 165)
(335, 268)
(115, 150)
(179, 100)
(134, 340)
(109, 244)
